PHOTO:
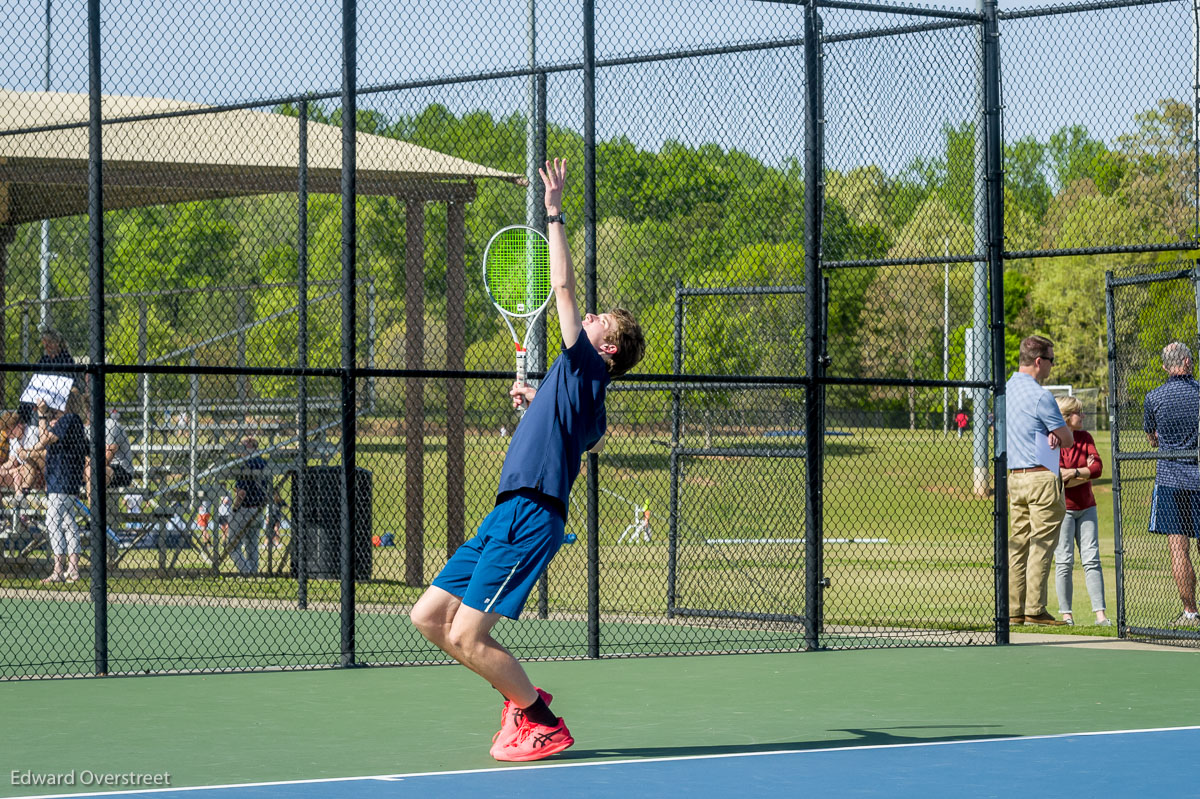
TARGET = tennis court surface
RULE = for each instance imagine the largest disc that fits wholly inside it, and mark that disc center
(1055, 719)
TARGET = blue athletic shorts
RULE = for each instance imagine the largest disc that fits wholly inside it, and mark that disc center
(1175, 511)
(496, 570)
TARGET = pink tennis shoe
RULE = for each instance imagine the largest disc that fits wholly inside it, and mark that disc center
(510, 721)
(535, 741)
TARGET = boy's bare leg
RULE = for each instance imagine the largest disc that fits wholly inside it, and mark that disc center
(434, 614)
(465, 634)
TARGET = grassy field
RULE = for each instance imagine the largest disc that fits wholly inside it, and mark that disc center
(908, 547)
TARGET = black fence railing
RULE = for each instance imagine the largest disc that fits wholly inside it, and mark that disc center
(266, 236)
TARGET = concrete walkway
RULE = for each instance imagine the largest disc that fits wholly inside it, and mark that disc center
(1093, 642)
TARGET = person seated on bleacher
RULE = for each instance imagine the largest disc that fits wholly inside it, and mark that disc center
(64, 448)
(26, 464)
(118, 456)
(250, 497)
(9, 424)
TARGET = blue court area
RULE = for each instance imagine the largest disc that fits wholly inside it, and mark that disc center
(1158, 762)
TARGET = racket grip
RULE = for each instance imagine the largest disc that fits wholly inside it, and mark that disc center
(521, 375)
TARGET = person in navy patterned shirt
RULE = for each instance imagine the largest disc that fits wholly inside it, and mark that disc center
(1170, 419)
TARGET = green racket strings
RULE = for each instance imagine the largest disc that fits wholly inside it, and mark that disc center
(518, 271)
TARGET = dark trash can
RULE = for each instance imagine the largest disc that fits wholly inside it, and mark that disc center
(320, 529)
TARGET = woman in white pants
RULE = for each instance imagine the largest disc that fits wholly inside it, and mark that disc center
(1078, 466)
(65, 447)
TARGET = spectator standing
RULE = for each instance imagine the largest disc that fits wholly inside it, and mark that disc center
(224, 514)
(961, 421)
(275, 517)
(1170, 421)
(250, 497)
(55, 352)
(65, 448)
(1079, 465)
(1035, 492)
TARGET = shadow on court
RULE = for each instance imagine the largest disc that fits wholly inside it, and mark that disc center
(857, 737)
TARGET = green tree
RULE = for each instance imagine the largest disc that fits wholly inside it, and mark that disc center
(1025, 183)
(1074, 155)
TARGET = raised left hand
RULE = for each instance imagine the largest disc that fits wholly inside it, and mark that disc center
(554, 177)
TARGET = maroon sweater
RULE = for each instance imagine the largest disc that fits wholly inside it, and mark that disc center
(1080, 497)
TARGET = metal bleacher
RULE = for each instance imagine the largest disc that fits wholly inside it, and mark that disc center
(186, 459)
(186, 462)
(187, 450)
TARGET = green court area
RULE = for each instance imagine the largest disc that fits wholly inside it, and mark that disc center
(237, 728)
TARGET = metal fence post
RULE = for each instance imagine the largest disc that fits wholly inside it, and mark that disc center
(814, 435)
(299, 533)
(673, 458)
(99, 520)
(1114, 426)
(25, 323)
(995, 255)
(589, 279)
(349, 321)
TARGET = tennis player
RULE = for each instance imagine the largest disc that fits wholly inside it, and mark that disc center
(492, 575)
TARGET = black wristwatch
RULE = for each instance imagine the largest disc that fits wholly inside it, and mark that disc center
(559, 218)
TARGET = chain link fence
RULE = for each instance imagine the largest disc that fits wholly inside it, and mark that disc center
(1153, 322)
(255, 237)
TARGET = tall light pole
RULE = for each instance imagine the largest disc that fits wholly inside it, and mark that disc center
(535, 357)
(946, 342)
(979, 355)
(45, 255)
(531, 165)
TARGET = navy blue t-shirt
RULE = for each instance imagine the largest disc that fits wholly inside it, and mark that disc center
(1170, 412)
(65, 457)
(253, 484)
(565, 419)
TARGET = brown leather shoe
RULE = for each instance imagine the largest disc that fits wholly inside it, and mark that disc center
(1015, 620)
(1046, 619)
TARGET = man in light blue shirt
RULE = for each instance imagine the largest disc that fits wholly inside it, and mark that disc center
(1036, 504)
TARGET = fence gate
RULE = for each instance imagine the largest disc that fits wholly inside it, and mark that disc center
(1148, 307)
(736, 548)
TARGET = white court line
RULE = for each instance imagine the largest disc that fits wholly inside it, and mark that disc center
(631, 761)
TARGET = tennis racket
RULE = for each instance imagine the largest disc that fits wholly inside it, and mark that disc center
(516, 274)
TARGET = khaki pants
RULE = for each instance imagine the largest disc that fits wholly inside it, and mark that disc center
(1036, 508)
